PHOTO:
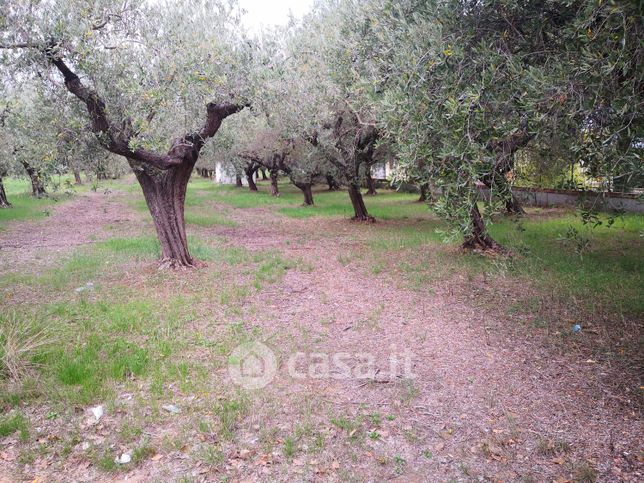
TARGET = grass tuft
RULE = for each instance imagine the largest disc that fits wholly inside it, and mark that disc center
(21, 342)
(14, 423)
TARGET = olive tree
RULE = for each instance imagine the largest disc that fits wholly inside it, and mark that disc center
(25, 143)
(463, 87)
(143, 73)
(318, 102)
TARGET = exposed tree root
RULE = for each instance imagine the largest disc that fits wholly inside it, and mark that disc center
(364, 219)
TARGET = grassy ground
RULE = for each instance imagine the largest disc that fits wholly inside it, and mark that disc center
(608, 272)
(26, 207)
(102, 326)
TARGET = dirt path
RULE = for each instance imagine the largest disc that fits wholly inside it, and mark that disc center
(77, 222)
(480, 403)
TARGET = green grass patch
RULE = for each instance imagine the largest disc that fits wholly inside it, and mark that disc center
(13, 423)
(386, 205)
(608, 273)
(141, 248)
(74, 270)
(272, 268)
(26, 207)
(230, 412)
(107, 339)
(207, 219)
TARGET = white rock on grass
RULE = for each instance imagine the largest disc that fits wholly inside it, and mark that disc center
(171, 408)
(97, 412)
(124, 459)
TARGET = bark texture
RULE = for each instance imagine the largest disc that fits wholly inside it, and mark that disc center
(4, 202)
(101, 173)
(479, 236)
(332, 183)
(424, 193)
(37, 186)
(504, 151)
(512, 204)
(356, 143)
(77, 177)
(359, 208)
(165, 195)
(307, 191)
(238, 181)
(371, 183)
(250, 173)
(275, 191)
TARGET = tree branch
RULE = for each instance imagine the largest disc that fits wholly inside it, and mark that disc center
(117, 139)
(20, 45)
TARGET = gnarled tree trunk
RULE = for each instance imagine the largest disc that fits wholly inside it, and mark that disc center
(505, 150)
(4, 202)
(163, 176)
(77, 177)
(101, 173)
(238, 181)
(371, 183)
(37, 186)
(307, 191)
(357, 202)
(250, 173)
(479, 237)
(424, 192)
(165, 195)
(333, 184)
(275, 191)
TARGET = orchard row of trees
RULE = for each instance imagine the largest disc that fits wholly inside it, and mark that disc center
(453, 90)
(40, 138)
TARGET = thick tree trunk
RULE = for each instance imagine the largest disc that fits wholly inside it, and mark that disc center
(359, 207)
(77, 177)
(238, 181)
(479, 237)
(424, 192)
(4, 202)
(37, 186)
(307, 191)
(275, 191)
(250, 173)
(165, 195)
(371, 183)
(163, 177)
(333, 184)
(264, 177)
